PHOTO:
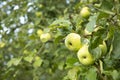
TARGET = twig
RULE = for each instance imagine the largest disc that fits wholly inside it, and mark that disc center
(99, 72)
(73, 24)
(40, 50)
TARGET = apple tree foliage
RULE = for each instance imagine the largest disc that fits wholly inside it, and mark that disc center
(24, 57)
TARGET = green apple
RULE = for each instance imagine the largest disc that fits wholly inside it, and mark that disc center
(73, 41)
(84, 56)
(45, 37)
(26, 52)
(37, 58)
(2, 44)
(39, 32)
(38, 14)
(103, 47)
(85, 13)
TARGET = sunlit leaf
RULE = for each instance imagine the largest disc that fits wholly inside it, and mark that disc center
(28, 59)
(37, 63)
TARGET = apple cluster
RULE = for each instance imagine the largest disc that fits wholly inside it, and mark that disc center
(73, 42)
(44, 37)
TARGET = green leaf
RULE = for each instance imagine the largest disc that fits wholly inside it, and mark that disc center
(70, 62)
(95, 41)
(1, 28)
(32, 37)
(115, 74)
(37, 63)
(116, 46)
(92, 23)
(97, 53)
(28, 59)
(61, 22)
(111, 32)
(106, 7)
(102, 15)
(61, 65)
(91, 74)
(72, 73)
(14, 61)
(58, 38)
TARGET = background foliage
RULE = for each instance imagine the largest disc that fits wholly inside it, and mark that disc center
(24, 57)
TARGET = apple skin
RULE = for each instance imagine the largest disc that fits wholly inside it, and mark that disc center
(45, 37)
(84, 56)
(73, 41)
(85, 13)
(39, 32)
(103, 47)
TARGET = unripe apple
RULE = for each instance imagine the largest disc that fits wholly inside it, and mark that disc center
(103, 47)
(73, 41)
(26, 52)
(45, 37)
(2, 44)
(37, 58)
(38, 14)
(41, 5)
(85, 13)
(84, 56)
(39, 32)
